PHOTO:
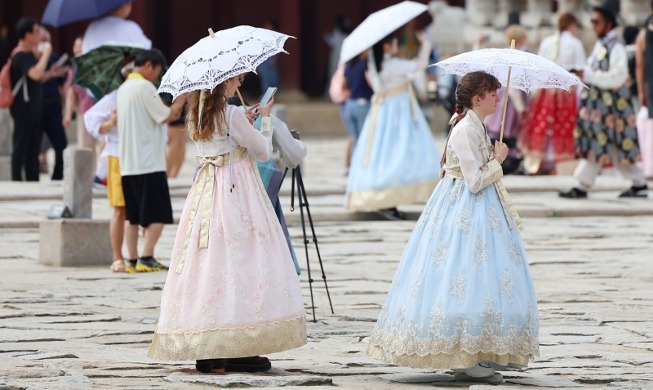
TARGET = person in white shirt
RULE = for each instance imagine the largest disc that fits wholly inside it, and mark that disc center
(548, 134)
(115, 28)
(605, 130)
(142, 147)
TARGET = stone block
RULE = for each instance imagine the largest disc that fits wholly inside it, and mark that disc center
(5, 167)
(78, 181)
(6, 132)
(74, 242)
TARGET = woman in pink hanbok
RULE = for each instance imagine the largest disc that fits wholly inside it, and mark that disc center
(232, 292)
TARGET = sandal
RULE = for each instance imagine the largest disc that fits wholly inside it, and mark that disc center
(118, 266)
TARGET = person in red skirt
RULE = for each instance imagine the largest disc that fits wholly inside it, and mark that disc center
(548, 134)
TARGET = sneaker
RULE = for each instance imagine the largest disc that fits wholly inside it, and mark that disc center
(130, 266)
(574, 193)
(149, 265)
(248, 364)
(635, 192)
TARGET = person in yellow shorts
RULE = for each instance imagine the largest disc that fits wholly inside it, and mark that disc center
(100, 121)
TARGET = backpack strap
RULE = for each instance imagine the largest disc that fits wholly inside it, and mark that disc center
(23, 80)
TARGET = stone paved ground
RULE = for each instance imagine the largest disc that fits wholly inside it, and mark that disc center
(82, 328)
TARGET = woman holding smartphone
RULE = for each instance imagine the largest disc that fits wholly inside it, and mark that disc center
(232, 293)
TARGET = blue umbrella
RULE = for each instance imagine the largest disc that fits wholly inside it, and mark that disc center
(61, 12)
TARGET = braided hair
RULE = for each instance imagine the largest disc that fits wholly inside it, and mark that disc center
(472, 84)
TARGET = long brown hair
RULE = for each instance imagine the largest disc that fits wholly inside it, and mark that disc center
(472, 84)
(214, 106)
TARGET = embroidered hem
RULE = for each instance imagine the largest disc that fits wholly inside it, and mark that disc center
(390, 197)
(460, 359)
(229, 343)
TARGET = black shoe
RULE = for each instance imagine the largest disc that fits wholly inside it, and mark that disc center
(574, 193)
(248, 364)
(635, 192)
(209, 365)
(393, 214)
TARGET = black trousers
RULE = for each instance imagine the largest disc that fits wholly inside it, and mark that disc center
(26, 142)
(51, 119)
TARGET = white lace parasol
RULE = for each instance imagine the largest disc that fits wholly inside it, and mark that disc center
(218, 57)
(527, 71)
(514, 68)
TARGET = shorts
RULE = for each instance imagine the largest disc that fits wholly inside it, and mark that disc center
(114, 183)
(147, 199)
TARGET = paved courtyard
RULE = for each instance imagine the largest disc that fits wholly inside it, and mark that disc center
(82, 328)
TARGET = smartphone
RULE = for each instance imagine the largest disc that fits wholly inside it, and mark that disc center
(269, 94)
(62, 60)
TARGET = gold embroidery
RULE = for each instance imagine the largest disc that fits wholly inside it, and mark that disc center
(229, 342)
(459, 287)
(506, 286)
(457, 342)
(494, 223)
(390, 197)
(440, 254)
(515, 254)
(463, 222)
(439, 325)
(480, 253)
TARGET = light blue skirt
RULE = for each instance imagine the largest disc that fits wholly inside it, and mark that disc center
(395, 160)
(462, 293)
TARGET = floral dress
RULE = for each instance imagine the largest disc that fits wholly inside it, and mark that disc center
(232, 289)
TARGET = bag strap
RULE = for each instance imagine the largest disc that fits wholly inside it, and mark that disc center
(23, 80)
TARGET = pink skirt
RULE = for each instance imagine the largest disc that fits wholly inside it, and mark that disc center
(240, 296)
(645, 140)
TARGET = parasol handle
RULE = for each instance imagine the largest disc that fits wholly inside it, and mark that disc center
(505, 98)
(211, 33)
(241, 99)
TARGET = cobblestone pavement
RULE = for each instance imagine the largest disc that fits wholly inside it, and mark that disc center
(82, 328)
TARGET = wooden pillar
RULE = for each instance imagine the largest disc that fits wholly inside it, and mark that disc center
(289, 23)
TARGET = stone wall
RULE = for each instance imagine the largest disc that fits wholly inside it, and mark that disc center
(455, 29)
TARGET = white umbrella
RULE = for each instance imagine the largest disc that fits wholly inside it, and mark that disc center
(220, 56)
(518, 69)
(378, 26)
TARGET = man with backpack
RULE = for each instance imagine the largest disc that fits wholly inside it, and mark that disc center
(27, 103)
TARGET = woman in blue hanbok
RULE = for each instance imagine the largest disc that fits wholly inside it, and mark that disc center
(462, 297)
(395, 159)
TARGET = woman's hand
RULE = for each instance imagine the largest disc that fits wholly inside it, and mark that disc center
(251, 113)
(500, 151)
(265, 111)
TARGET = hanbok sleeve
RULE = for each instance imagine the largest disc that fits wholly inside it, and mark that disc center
(259, 143)
(292, 150)
(477, 173)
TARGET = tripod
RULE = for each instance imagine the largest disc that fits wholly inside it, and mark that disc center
(303, 204)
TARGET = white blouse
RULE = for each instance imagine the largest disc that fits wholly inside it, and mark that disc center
(241, 133)
(469, 152)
